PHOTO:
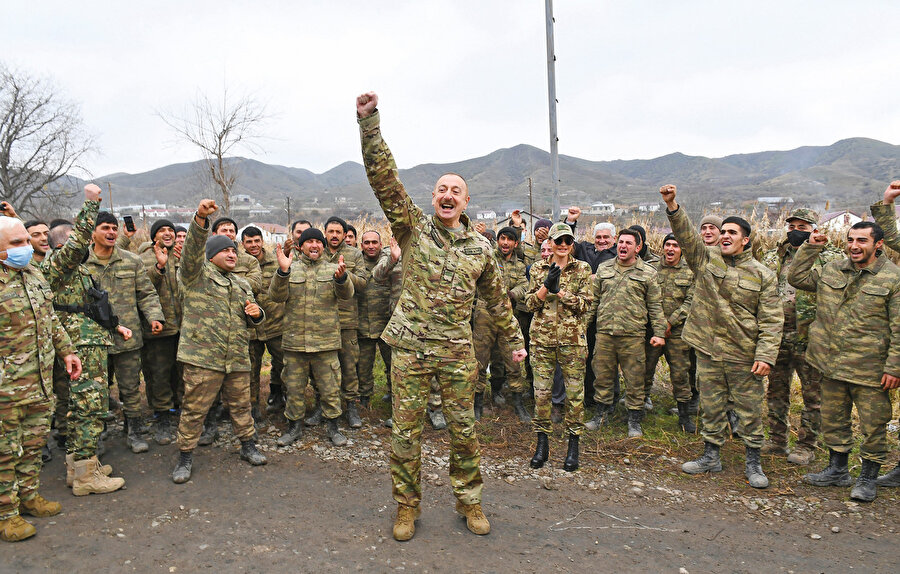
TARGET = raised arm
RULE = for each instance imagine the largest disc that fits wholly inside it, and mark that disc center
(66, 259)
(886, 217)
(803, 272)
(692, 247)
(192, 254)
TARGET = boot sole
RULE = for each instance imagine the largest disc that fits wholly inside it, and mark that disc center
(717, 468)
(844, 482)
(254, 463)
(85, 490)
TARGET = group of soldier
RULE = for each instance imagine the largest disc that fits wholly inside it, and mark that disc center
(194, 310)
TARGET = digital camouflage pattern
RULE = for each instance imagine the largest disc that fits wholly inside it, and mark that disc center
(855, 337)
(724, 385)
(24, 428)
(273, 325)
(88, 401)
(441, 268)
(736, 315)
(624, 298)
(571, 359)
(215, 330)
(325, 369)
(201, 386)
(873, 405)
(560, 320)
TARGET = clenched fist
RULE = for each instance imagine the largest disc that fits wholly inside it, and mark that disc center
(365, 104)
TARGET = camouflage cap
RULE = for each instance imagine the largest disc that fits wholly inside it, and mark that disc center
(804, 214)
(559, 230)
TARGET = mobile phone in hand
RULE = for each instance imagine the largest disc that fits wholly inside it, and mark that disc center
(129, 223)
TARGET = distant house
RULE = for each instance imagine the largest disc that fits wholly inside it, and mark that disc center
(241, 199)
(271, 232)
(648, 207)
(776, 202)
(600, 208)
(839, 220)
(486, 214)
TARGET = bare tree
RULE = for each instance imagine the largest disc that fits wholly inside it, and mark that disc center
(218, 129)
(42, 139)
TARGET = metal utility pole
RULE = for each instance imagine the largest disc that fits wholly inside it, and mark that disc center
(551, 88)
(109, 188)
(288, 198)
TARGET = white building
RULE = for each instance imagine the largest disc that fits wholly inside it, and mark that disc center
(839, 220)
(600, 208)
(486, 214)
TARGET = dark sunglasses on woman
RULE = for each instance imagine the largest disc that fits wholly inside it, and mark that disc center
(567, 239)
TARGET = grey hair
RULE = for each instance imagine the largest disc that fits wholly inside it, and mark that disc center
(605, 225)
(7, 224)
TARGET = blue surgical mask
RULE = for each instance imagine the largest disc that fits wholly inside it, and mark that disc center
(18, 257)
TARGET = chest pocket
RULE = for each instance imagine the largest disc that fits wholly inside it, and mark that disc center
(874, 300)
(747, 293)
(834, 281)
(13, 309)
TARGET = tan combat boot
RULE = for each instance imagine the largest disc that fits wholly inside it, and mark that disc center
(105, 469)
(405, 525)
(40, 507)
(15, 529)
(89, 479)
(476, 521)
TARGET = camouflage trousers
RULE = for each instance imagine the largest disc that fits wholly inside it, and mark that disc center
(61, 384)
(572, 360)
(23, 433)
(125, 368)
(778, 395)
(163, 380)
(87, 403)
(349, 358)
(325, 368)
(524, 318)
(257, 349)
(612, 352)
(412, 376)
(677, 354)
(491, 347)
(200, 389)
(873, 404)
(366, 365)
(722, 383)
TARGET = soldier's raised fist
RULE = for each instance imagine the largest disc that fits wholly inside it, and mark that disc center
(92, 192)
(892, 191)
(366, 104)
(206, 208)
(818, 238)
(668, 195)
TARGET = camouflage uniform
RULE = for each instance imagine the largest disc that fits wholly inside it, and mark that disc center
(269, 333)
(86, 399)
(676, 285)
(799, 312)
(162, 374)
(313, 324)
(359, 275)
(558, 336)
(392, 272)
(30, 334)
(489, 345)
(853, 341)
(215, 334)
(735, 319)
(624, 298)
(131, 294)
(430, 331)
(374, 304)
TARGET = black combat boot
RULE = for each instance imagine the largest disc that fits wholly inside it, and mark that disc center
(133, 438)
(182, 472)
(314, 419)
(753, 469)
(866, 488)
(353, 420)
(890, 479)
(163, 434)
(709, 462)
(571, 462)
(542, 452)
(601, 416)
(519, 408)
(275, 402)
(251, 454)
(694, 403)
(734, 422)
(294, 432)
(334, 435)
(479, 405)
(364, 402)
(835, 474)
(685, 420)
(634, 423)
(210, 430)
(256, 415)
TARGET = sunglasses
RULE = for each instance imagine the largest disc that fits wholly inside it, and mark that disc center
(567, 239)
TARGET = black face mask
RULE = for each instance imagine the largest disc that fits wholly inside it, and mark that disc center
(797, 238)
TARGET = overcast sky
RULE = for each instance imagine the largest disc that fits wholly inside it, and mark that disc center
(458, 79)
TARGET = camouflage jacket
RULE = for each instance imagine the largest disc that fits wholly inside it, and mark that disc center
(560, 320)
(247, 268)
(513, 270)
(214, 329)
(886, 218)
(676, 286)
(358, 273)
(273, 326)
(30, 337)
(442, 268)
(392, 272)
(312, 320)
(70, 280)
(736, 315)
(130, 293)
(166, 284)
(799, 306)
(624, 298)
(530, 253)
(856, 334)
(374, 302)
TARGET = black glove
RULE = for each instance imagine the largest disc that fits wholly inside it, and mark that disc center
(552, 280)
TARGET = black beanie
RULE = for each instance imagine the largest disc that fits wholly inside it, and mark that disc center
(180, 229)
(311, 233)
(510, 232)
(106, 217)
(217, 243)
(159, 224)
(643, 235)
(668, 237)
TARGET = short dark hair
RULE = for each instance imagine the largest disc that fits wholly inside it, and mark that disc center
(877, 231)
(58, 222)
(222, 221)
(633, 233)
(298, 222)
(33, 222)
(351, 228)
(250, 231)
(106, 217)
(641, 232)
(338, 220)
(740, 222)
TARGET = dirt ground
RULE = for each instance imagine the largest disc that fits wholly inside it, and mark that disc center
(318, 508)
